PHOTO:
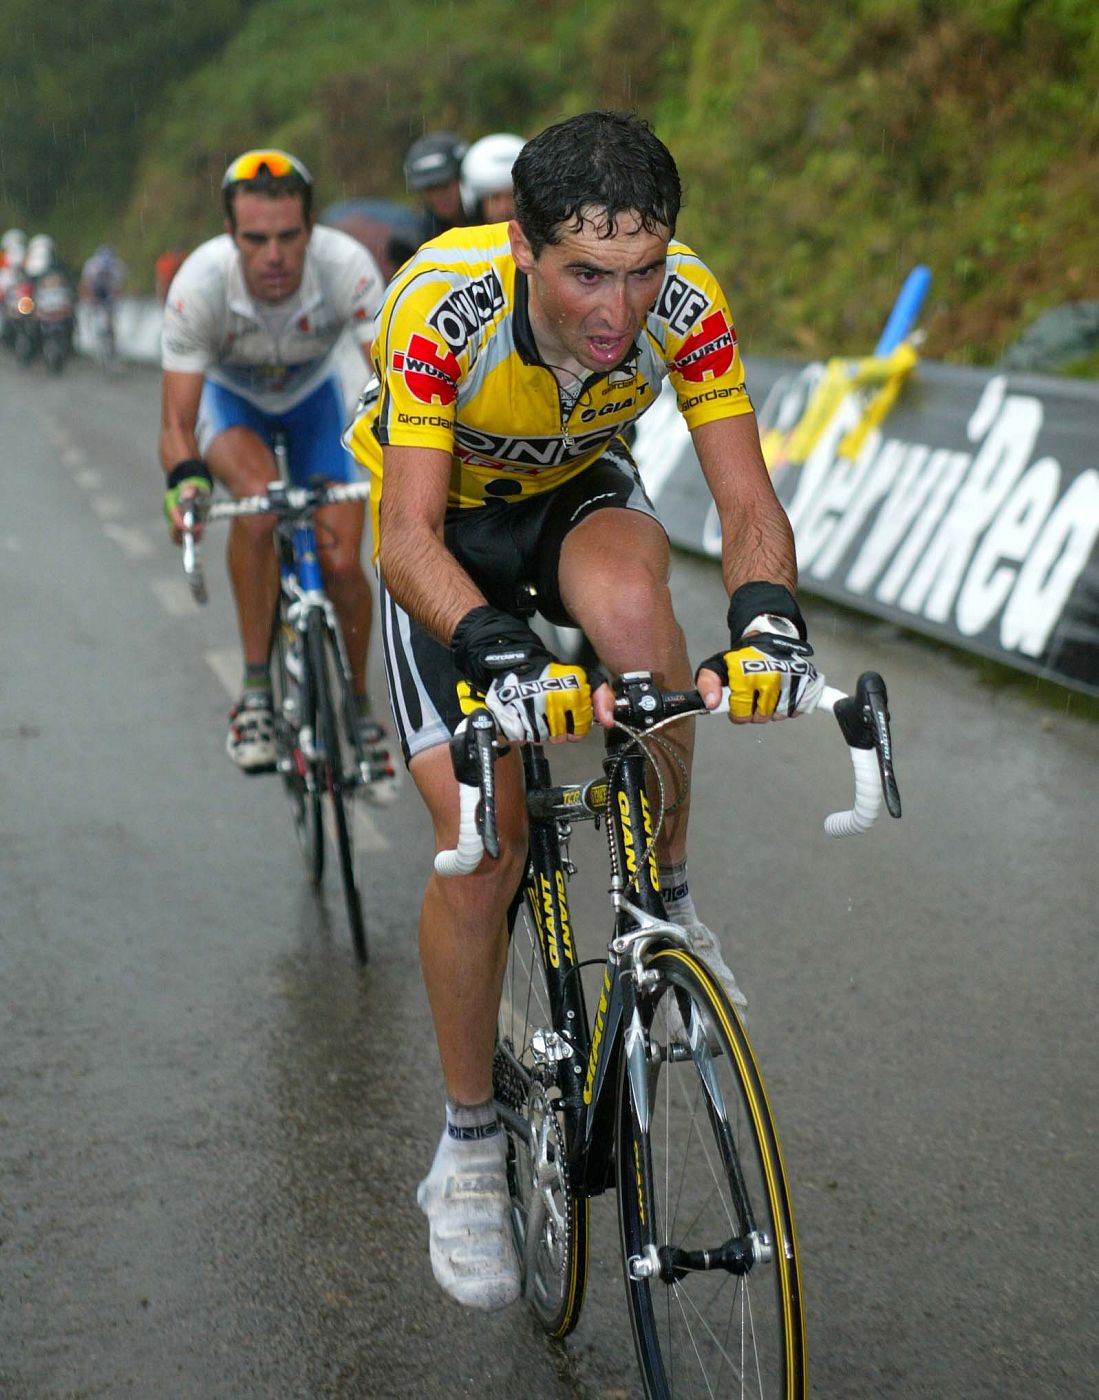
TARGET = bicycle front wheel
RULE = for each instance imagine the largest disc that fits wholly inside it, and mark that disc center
(295, 705)
(708, 1239)
(550, 1223)
(333, 741)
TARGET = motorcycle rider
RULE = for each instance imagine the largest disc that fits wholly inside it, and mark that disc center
(54, 297)
(13, 249)
(486, 175)
(432, 173)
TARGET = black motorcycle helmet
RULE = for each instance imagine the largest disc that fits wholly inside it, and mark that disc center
(434, 159)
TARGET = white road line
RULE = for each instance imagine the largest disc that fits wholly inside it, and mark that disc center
(73, 456)
(89, 478)
(173, 595)
(365, 831)
(108, 507)
(132, 542)
(226, 665)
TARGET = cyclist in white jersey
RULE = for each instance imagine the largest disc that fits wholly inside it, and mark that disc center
(251, 322)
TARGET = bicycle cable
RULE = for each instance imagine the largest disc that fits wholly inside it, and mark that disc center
(664, 808)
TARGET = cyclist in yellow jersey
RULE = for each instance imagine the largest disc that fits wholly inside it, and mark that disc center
(509, 359)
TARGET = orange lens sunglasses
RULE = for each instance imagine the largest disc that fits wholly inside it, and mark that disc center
(276, 163)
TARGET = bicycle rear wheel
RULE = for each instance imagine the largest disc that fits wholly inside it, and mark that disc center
(550, 1223)
(333, 741)
(709, 1247)
(302, 778)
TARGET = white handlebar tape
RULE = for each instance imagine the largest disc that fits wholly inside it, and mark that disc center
(466, 855)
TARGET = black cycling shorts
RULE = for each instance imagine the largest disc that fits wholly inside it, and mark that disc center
(505, 547)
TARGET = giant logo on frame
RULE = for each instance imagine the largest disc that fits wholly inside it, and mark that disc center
(430, 372)
(709, 353)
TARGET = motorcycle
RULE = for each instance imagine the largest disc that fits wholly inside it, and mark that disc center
(19, 309)
(56, 313)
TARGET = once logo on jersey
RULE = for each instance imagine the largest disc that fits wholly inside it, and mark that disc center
(430, 372)
(526, 455)
(709, 353)
(680, 304)
(465, 310)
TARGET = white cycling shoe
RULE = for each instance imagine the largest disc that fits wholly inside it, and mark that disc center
(465, 1198)
(704, 943)
(384, 785)
(250, 742)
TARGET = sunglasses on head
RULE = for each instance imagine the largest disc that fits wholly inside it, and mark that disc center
(275, 163)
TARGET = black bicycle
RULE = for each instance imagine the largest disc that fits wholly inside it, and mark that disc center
(320, 755)
(661, 1096)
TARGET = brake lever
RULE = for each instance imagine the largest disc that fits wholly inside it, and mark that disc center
(483, 729)
(864, 720)
(191, 510)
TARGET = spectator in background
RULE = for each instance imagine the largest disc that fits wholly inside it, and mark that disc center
(167, 265)
(486, 175)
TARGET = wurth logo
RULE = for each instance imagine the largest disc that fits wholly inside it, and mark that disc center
(709, 353)
(430, 372)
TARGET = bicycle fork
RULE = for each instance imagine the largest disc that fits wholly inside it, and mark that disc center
(641, 923)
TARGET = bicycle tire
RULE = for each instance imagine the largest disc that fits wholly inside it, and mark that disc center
(710, 1154)
(555, 1259)
(302, 778)
(328, 676)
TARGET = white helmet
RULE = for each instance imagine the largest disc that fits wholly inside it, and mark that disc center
(486, 166)
(14, 241)
(40, 254)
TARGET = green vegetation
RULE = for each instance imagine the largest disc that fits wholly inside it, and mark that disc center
(825, 149)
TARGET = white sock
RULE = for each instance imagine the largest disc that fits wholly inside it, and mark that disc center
(679, 905)
(471, 1131)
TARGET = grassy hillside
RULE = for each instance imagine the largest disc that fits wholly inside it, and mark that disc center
(825, 150)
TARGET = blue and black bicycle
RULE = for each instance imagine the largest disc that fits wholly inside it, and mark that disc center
(321, 755)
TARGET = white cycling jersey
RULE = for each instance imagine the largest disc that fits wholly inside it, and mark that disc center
(273, 355)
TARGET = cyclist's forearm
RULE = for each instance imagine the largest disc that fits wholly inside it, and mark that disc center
(423, 576)
(757, 542)
(177, 445)
(180, 394)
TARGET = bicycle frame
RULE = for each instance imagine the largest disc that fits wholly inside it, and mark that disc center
(302, 585)
(589, 1062)
(316, 724)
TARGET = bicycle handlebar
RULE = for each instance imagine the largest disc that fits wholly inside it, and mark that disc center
(285, 502)
(863, 719)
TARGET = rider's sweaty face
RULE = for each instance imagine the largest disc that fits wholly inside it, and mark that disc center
(590, 294)
(271, 236)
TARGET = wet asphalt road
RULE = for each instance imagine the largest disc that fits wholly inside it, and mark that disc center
(211, 1124)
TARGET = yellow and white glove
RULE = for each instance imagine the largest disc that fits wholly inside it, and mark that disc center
(554, 704)
(767, 669)
(532, 696)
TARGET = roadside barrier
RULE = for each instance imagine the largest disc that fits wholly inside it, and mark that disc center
(967, 510)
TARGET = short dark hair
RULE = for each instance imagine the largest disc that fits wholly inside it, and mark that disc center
(274, 187)
(609, 161)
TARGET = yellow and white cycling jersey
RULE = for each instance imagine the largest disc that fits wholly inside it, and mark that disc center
(458, 370)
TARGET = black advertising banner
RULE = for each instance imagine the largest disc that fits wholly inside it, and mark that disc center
(967, 510)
